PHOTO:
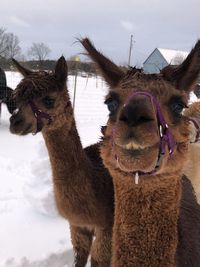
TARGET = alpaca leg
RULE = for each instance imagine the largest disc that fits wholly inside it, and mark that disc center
(101, 248)
(81, 241)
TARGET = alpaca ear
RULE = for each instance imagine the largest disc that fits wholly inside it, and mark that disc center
(25, 72)
(185, 75)
(61, 70)
(110, 72)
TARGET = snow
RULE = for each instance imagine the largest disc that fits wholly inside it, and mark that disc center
(193, 98)
(173, 57)
(32, 232)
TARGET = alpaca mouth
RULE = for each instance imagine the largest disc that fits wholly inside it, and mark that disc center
(132, 146)
(133, 149)
(27, 130)
(20, 131)
(133, 157)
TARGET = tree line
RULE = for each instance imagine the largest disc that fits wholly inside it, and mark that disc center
(10, 47)
(38, 52)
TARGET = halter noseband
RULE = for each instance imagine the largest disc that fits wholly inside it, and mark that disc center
(39, 115)
(197, 127)
(166, 137)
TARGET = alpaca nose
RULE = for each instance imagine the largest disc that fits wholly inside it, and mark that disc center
(15, 119)
(137, 113)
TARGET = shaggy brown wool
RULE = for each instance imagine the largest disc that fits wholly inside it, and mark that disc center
(83, 188)
(146, 214)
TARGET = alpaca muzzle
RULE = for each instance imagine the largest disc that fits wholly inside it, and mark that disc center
(166, 137)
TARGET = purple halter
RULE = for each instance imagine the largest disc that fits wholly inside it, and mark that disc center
(196, 125)
(166, 137)
(39, 115)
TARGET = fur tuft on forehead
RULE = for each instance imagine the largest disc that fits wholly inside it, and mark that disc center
(140, 79)
(36, 86)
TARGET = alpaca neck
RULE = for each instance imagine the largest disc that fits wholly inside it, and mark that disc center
(70, 168)
(145, 227)
(65, 151)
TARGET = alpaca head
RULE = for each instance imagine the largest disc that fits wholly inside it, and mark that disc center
(193, 113)
(136, 139)
(42, 100)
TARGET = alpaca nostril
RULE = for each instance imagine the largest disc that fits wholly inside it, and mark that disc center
(144, 119)
(132, 117)
(14, 120)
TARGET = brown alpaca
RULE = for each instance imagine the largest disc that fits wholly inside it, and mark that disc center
(192, 168)
(82, 186)
(144, 148)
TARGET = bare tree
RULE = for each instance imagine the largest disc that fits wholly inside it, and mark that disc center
(3, 42)
(39, 51)
(13, 49)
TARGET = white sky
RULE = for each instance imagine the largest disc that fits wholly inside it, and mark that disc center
(109, 23)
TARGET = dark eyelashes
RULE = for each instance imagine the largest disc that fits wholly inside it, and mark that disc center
(48, 102)
(112, 105)
(177, 106)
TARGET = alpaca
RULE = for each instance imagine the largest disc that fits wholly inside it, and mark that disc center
(6, 94)
(83, 188)
(192, 168)
(145, 146)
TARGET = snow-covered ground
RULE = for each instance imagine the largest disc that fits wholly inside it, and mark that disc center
(32, 234)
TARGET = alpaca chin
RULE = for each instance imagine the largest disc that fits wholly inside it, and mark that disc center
(21, 130)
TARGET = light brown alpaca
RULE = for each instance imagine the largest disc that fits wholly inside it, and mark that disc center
(144, 148)
(192, 168)
(82, 186)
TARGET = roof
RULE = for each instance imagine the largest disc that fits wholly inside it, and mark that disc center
(173, 57)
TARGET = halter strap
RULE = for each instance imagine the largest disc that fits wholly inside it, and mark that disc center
(197, 126)
(165, 134)
(166, 137)
(39, 115)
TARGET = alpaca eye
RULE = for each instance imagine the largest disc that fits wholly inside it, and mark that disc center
(112, 105)
(177, 108)
(48, 102)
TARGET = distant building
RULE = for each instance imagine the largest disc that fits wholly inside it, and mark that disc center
(160, 58)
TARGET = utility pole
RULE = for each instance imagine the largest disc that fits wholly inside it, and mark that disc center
(77, 59)
(130, 50)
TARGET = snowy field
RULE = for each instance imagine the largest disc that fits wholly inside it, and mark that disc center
(32, 234)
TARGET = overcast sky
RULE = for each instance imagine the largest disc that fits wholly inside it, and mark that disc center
(109, 23)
